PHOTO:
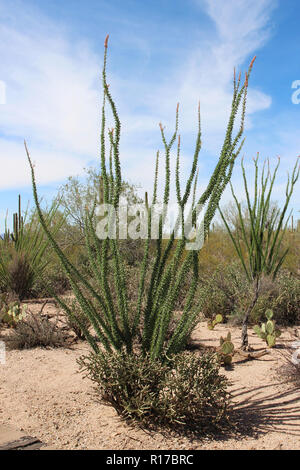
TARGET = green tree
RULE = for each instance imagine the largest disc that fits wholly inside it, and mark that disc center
(76, 195)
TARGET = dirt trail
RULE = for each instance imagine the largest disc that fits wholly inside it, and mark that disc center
(43, 395)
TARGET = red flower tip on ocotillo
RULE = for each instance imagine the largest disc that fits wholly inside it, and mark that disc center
(179, 140)
(177, 108)
(252, 62)
(246, 79)
(106, 41)
(161, 127)
(240, 76)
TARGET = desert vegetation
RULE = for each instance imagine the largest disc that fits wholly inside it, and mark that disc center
(135, 303)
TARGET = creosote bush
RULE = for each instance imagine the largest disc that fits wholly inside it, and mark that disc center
(184, 390)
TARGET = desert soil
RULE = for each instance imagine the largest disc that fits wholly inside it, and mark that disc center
(43, 395)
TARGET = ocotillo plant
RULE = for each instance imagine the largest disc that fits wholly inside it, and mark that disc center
(259, 249)
(116, 327)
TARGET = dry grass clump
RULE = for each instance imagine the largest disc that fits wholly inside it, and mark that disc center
(36, 330)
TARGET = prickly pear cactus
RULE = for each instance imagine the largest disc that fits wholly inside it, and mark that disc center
(226, 350)
(14, 314)
(268, 331)
(212, 323)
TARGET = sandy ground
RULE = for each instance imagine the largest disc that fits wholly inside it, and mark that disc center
(43, 394)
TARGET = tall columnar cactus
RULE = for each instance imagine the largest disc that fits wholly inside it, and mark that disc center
(18, 223)
(259, 246)
(116, 327)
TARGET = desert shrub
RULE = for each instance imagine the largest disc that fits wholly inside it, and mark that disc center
(25, 253)
(18, 275)
(4, 302)
(227, 292)
(195, 392)
(185, 390)
(286, 304)
(53, 279)
(292, 373)
(36, 331)
(281, 295)
(290, 370)
(216, 251)
(292, 260)
(76, 320)
(224, 291)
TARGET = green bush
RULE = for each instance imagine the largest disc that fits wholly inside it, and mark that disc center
(17, 275)
(54, 279)
(185, 390)
(283, 297)
(227, 292)
(76, 320)
(26, 253)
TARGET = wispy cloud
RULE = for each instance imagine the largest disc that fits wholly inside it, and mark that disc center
(53, 92)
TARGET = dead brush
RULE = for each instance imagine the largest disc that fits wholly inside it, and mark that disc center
(290, 370)
(37, 330)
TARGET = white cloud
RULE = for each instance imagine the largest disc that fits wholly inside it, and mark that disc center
(51, 92)
(54, 99)
(241, 29)
(50, 166)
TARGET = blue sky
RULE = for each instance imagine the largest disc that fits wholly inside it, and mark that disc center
(160, 52)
